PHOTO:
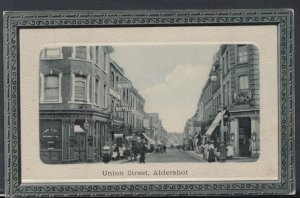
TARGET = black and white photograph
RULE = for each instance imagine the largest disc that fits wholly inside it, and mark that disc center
(139, 103)
(179, 103)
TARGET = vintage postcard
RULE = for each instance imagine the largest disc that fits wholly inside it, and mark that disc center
(102, 109)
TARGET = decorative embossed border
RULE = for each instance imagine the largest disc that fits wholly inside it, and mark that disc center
(283, 18)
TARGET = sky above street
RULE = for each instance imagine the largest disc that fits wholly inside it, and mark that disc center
(169, 77)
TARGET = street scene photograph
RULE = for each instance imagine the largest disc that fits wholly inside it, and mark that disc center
(149, 103)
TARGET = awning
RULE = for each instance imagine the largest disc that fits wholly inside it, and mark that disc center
(215, 123)
(78, 129)
(159, 142)
(129, 137)
(149, 139)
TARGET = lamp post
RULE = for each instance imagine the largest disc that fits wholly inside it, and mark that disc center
(222, 142)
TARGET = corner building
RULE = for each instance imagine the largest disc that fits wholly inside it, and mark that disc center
(238, 66)
(74, 112)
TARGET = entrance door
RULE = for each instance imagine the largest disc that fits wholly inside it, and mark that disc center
(244, 136)
(80, 147)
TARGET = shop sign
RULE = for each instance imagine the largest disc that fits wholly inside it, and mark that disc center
(118, 135)
(123, 108)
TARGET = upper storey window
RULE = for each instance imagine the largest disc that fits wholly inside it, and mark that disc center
(81, 52)
(52, 53)
(242, 54)
(50, 88)
(80, 88)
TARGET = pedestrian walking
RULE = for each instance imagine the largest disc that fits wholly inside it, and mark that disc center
(143, 150)
(165, 148)
(211, 153)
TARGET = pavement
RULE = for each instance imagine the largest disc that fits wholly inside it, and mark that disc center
(234, 159)
(121, 161)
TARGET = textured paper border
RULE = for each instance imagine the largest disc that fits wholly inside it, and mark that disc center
(264, 37)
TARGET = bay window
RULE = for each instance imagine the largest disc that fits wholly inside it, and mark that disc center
(80, 88)
(243, 82)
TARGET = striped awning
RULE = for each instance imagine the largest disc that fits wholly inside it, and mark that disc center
(215, 123)
(149, 139)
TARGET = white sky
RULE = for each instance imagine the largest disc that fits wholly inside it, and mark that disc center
(169, 77)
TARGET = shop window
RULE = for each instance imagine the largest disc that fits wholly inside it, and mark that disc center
(242, 54)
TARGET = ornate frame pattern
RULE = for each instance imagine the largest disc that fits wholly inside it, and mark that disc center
(283, 18)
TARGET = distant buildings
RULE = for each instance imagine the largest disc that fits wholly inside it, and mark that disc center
(240, 109)
(86, 101)
(153, 127)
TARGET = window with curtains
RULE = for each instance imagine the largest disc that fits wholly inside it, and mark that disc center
(227, 61)
(97, 55)
(81, 52)
(242, 54)
(104, 96)
(97, 89)
(51, 89)
(80, 88)
(243, 82)
(103, 56)
(117, 81)
(112, 79)
(53, 53)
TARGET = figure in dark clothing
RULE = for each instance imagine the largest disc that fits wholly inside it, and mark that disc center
(211, 153)
(165, 148)
(143, 150)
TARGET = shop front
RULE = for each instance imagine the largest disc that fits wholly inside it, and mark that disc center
(245, 133)
(69, 138)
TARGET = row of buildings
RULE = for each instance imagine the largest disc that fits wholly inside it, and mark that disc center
(236, 69)
(86, 102)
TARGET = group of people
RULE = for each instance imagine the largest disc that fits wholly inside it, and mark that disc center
(209, 152)
(160, 149)
(116, 152)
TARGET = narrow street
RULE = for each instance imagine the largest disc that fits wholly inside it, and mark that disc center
(171, 156)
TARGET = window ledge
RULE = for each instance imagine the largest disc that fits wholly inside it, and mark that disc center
(77, 59)
(50, 102)
(58, 58)
(79, 102)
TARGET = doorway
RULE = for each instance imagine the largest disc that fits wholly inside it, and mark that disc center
(80, 147)
(244, 136)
